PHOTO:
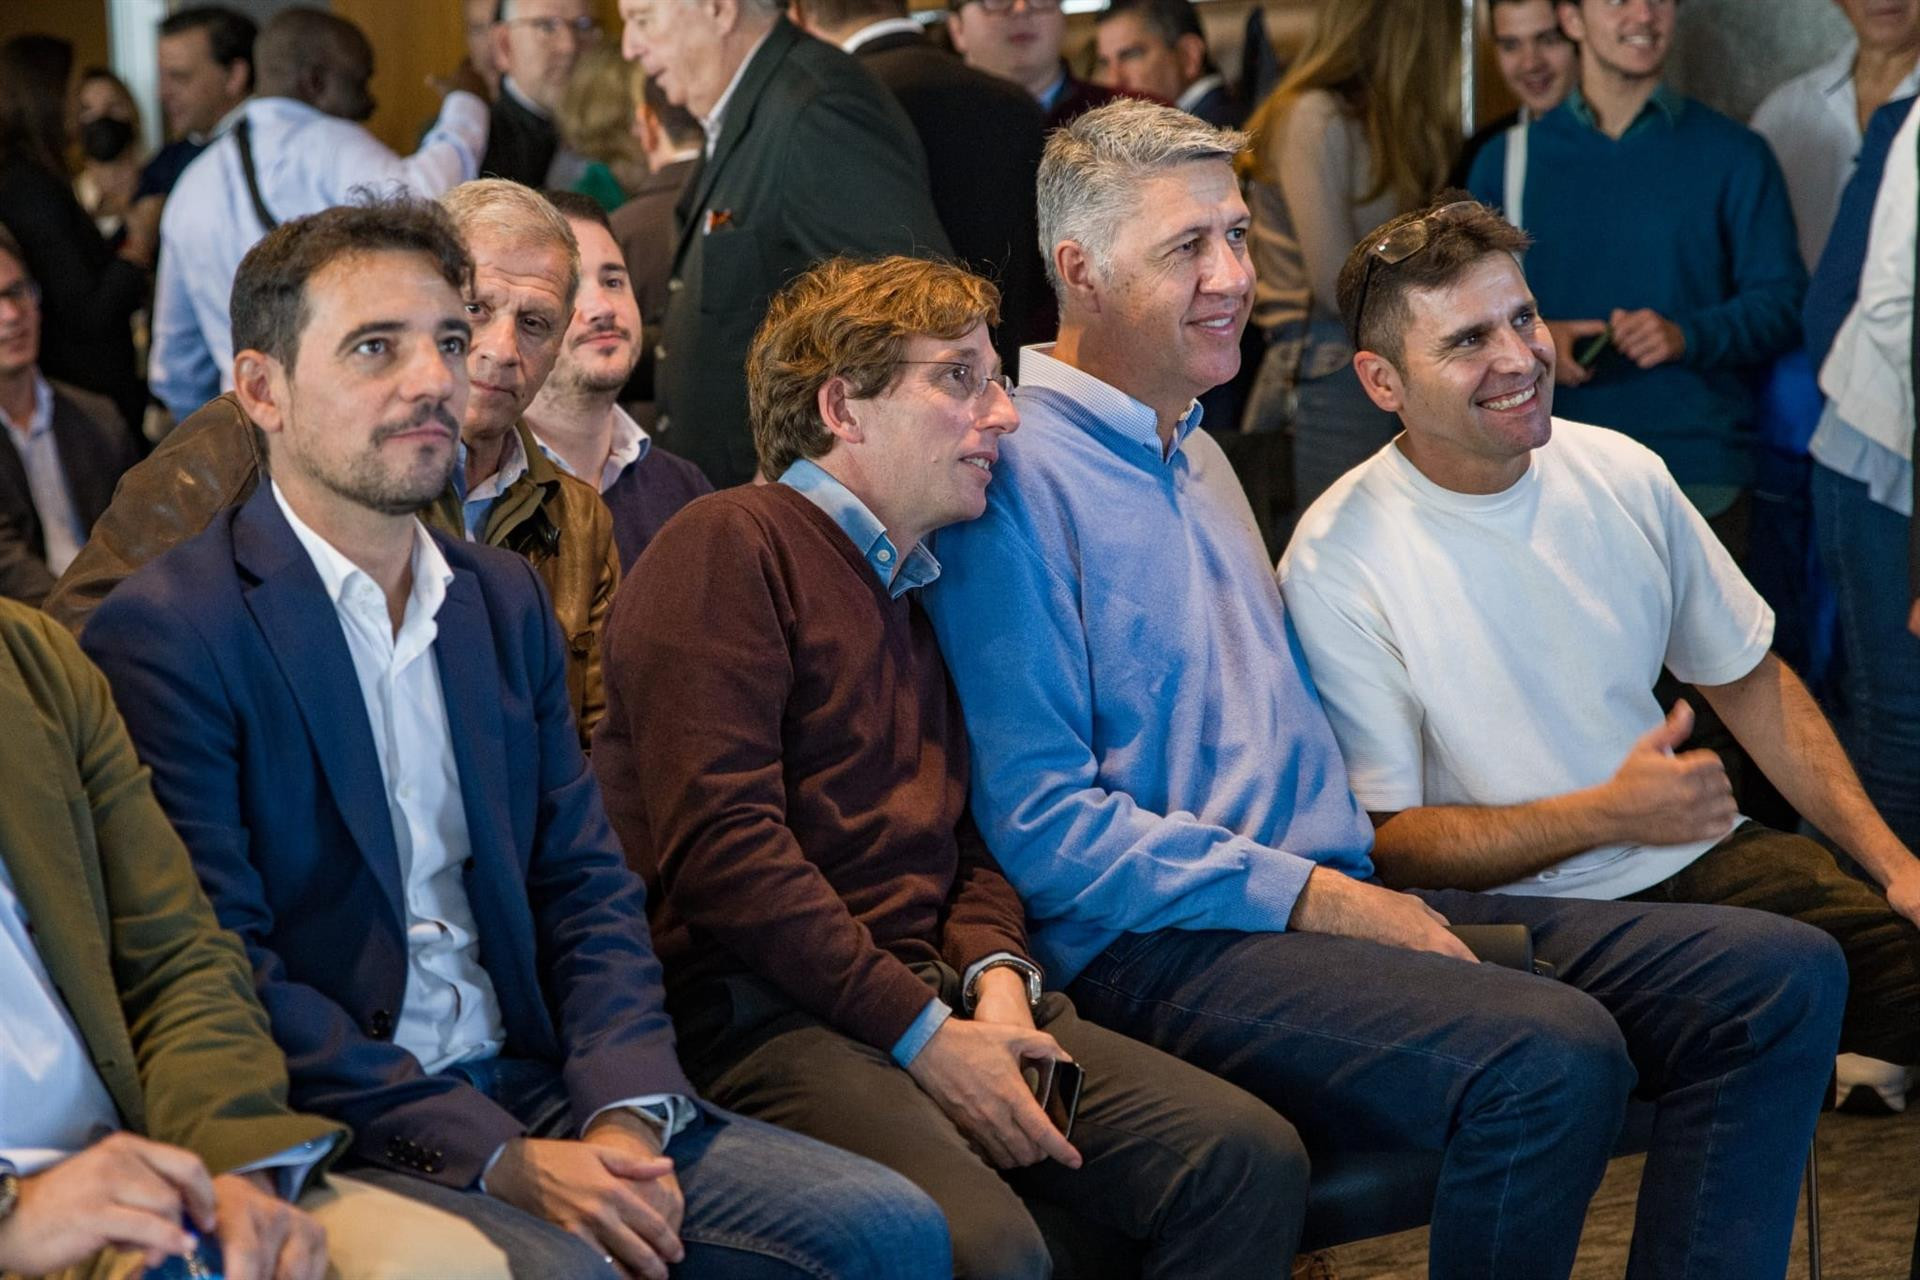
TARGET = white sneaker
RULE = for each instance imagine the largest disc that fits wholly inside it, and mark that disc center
(1868, 1084)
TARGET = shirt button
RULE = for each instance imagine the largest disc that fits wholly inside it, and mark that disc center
(675, 285)
(660, 351)
(883, 555)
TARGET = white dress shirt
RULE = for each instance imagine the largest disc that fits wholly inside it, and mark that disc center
(61, 532)
(1868, 376)
(449, 1013)
(1812, 122)
(306, 161)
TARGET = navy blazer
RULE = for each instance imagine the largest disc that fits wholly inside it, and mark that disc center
(228, 662)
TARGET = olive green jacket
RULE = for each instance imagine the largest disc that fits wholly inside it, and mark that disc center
(161, 995)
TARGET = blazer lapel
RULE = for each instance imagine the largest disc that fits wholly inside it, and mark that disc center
(61, 891)
(740, 109)
(290, 604)
(470, 686)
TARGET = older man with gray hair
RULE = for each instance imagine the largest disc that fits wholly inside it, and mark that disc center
(506, 492)
(1154, 773)
(807, 157)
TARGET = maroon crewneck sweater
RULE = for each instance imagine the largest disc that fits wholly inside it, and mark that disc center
(783, 758)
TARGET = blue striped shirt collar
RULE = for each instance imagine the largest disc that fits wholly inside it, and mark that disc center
(1114, 407)
(863, 528)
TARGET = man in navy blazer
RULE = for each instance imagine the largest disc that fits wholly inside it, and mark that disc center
(362, 731)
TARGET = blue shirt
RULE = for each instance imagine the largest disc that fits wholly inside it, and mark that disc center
(1685, 213)
(1149, 751)
(863, 528)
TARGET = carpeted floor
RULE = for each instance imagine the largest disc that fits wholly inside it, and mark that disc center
(1869, 1192)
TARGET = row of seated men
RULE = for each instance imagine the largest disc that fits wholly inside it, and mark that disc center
(983, 733)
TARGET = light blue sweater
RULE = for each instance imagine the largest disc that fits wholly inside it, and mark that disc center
(1148, 749)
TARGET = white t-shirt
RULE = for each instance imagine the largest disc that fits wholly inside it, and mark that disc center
(1499, 649)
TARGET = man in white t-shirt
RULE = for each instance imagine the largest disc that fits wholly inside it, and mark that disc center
(1486, 603)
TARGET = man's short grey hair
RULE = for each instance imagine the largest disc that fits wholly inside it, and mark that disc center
(763, 8)
(518, 213)
(1091, 174)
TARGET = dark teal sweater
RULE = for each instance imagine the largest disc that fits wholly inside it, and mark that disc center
(1686, 213)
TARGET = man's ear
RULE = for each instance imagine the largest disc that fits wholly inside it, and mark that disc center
(1076, 271)
(1573, 23)
(954, 37)
(260, 384)
(1380, 380)
(237, 73)
(1191, 52)
(838, 412)
(502, 40)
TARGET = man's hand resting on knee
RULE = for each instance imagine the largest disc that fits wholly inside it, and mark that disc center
(972, 1069)
(612, 1188)
(1336, 903)
(262, 1237)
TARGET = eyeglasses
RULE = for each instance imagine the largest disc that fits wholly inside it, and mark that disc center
(1400, 244)
(1006, 6)
(585, 29)
(967, 380)
(21, 293)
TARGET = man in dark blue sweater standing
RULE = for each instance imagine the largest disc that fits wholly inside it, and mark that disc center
(1664, 254)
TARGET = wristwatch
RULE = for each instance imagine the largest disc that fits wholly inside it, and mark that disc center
(9, 1191)
(1027, 971)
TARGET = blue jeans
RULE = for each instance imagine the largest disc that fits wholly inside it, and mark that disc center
(761, 1203)
(1726, 1019)
(1863, 546)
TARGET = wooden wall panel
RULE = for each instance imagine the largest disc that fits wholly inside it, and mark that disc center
(412, 40)
(84, 22)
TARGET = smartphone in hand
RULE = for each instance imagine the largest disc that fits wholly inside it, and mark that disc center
(1056, 1086)
(1589, 355)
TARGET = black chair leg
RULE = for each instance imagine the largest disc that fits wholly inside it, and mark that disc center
(1813, 1213)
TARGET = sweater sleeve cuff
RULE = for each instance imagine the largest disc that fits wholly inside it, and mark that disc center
(915, 1038)
(1273, 883)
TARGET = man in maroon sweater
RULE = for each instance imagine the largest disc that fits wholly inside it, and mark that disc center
(784, 760)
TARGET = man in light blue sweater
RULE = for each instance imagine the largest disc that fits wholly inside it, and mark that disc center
(1155, 774)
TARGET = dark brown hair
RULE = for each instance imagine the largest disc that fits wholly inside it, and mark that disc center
(1453, 246)
(34, 70)
(269, 301)
(848, 319)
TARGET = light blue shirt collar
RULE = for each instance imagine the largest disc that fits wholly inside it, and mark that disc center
(809, 479)
(1052, 94)
(1118, 410)
(476, 502)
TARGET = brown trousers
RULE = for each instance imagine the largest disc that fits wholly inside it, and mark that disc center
(1208, 1180)
(1787, 875)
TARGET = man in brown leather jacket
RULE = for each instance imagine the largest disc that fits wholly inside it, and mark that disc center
(507, 494)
